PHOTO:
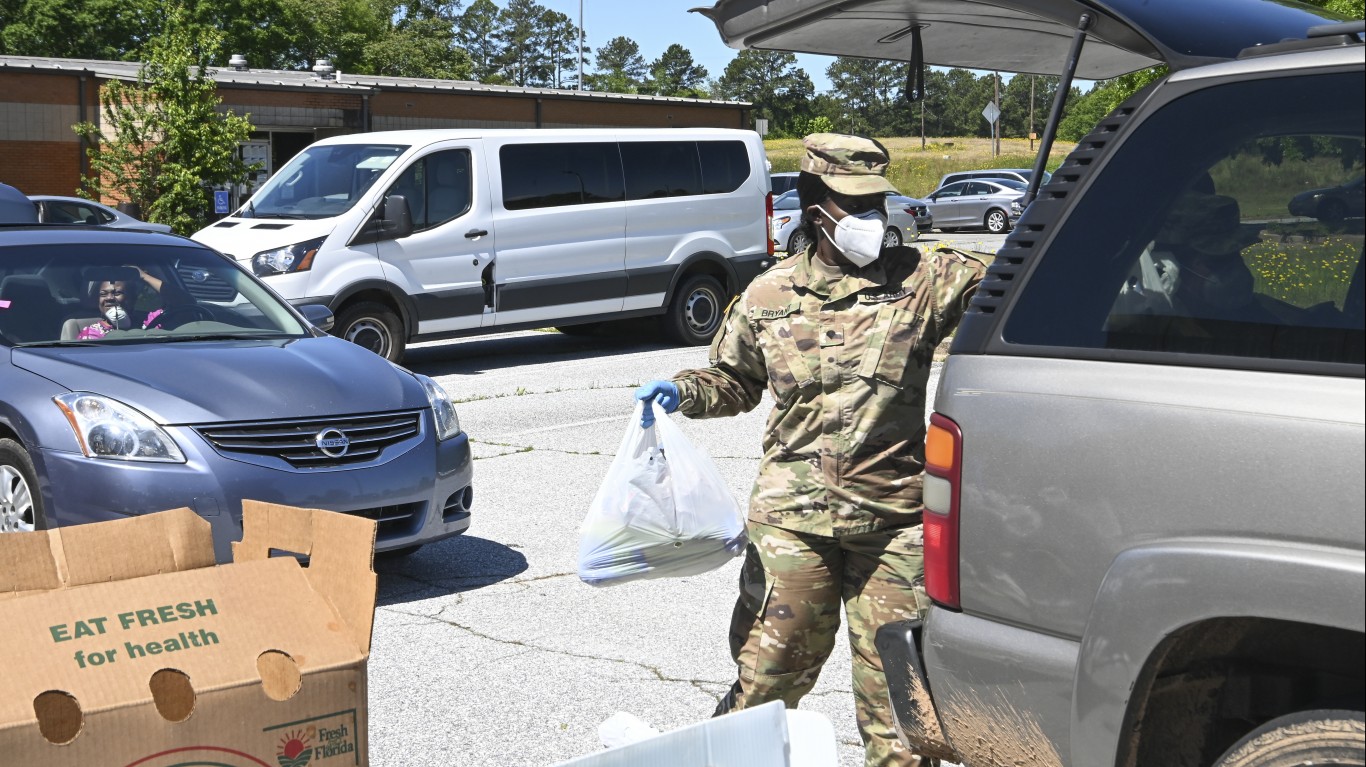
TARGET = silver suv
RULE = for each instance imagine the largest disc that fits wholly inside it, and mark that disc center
(1144, 493)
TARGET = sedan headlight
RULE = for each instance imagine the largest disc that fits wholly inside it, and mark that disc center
(443, 410)
(291, 258)
(107, 428)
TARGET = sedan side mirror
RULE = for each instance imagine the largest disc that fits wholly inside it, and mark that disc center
(319, 315)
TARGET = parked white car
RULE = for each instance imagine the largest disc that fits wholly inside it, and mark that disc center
(427, 234)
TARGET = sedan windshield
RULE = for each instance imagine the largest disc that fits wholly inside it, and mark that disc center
(100, 293)
(321, 181)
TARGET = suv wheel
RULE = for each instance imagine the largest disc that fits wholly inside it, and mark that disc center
(696, 310)
(21, 507)
(996, 221)
(1303, 738)
(374, 326)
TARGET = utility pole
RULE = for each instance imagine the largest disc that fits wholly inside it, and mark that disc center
(1032, 78)
(580, 44)
(996, 125)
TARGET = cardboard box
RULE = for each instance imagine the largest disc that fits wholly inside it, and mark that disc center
(123, 643)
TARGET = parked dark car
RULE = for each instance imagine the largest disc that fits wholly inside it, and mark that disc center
(1331, 204)
(142, 371)
(53, 209)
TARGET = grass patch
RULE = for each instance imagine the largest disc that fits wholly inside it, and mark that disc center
(916, 172)
(1304, 270)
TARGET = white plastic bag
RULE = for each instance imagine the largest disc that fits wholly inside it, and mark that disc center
(662, 510)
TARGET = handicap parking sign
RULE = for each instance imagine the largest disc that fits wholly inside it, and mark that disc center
(220, 201)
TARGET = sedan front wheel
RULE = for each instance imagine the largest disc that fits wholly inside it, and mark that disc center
(21, 507)
(996, 221)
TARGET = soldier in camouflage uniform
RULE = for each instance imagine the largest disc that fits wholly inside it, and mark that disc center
(843, 337)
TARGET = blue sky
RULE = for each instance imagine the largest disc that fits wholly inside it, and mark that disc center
(657, 24)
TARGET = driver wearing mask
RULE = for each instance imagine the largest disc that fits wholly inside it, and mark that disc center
(843, 337)
(116, 300)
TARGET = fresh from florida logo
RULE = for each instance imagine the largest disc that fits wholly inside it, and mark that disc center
(294, 749)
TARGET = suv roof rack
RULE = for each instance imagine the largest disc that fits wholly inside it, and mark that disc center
(1316, 38)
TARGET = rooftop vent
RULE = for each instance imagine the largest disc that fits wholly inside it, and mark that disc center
(324, 69)
(238, 62)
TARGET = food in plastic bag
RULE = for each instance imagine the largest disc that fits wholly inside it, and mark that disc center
(662, 511)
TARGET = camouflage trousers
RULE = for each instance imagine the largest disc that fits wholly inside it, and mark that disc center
(786, 618)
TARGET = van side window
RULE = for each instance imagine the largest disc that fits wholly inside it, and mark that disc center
(1246, 243)
(552, 175)
(437, 188)
(448, 185)
(725, 166)
(656, 169)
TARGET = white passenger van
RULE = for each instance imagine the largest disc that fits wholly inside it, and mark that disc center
(427, 234)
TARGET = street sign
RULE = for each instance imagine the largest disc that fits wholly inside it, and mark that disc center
(761, 126)
(991, 112)
(220, 201)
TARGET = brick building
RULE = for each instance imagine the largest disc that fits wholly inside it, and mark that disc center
(41, 98)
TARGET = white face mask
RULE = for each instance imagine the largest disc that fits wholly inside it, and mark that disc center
(118, 318)
(859, 238)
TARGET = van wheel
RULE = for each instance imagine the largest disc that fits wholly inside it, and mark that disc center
(695, 312)
(997, 221)
(21, 507)
(1303, 738)
(891, 238)
(373, 326)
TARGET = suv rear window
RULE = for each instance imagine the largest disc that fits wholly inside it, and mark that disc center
(1244, 240)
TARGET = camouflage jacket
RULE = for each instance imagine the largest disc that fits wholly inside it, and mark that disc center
(848, 367)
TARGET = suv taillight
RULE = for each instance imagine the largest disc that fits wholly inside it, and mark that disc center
(943, 484)
(768, 221)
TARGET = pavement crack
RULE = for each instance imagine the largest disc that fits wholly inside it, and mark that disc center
(653, 670)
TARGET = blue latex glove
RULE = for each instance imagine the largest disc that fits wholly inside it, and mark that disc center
(663, 392)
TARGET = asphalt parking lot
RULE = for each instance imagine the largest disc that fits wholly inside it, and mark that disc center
(488, 650)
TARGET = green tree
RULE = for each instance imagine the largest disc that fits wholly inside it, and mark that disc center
(675, 73)
(420, 42)
(1017, 95)
(162, 140)
(869, 90)
(522, 39)
(476, 31)
(621, 68)
(562, 47)
(110, 30)
(771, 80)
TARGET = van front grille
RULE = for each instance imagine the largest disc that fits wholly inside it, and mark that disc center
(316, 443)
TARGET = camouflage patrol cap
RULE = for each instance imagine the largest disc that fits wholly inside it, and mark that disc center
(1208, 224)
(851, 165)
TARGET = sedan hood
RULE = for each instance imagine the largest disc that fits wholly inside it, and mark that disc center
(1025, 36)
(223, 381)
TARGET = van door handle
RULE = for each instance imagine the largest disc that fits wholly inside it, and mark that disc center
(473, 233)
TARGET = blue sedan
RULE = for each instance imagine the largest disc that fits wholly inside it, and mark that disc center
(143, 371)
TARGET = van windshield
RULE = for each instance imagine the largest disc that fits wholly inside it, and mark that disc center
(321, 181)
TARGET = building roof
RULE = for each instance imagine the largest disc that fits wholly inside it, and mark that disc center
(227, 76)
